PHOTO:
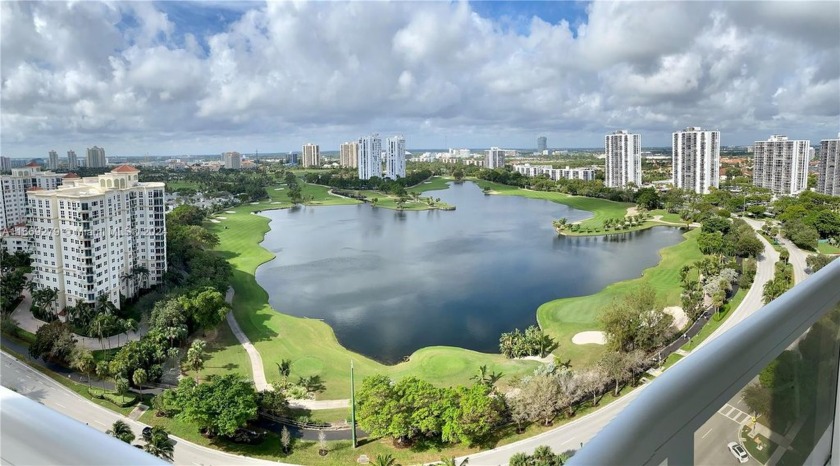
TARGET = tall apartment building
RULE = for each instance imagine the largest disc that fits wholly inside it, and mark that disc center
(828, 178)
(542, 144)
(311, 155)
(15, 188)
(96, 157)
(92, 236)
(5, 164)
(53, 161)
(623, 159)
(395, 158)
(494, 158)
(370, 157)
(586, 174)
(232, 160)
(348, 154)
(72, 160)
(781, 164)
(695, 157)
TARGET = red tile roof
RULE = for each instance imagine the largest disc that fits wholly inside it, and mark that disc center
(32, 164)
(125, 169)
(71, 175)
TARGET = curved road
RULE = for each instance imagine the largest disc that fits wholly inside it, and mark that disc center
(572, 435)
(34, 385)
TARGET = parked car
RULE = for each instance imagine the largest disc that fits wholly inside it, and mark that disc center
(738, 452)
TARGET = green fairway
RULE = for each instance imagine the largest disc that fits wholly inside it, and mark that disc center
(565, 317)
(310, 343)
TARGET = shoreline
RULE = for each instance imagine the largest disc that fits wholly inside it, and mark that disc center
(312, 344)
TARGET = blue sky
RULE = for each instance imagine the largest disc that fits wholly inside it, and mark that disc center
(187, 77)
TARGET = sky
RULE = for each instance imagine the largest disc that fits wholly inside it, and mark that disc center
(185, 77)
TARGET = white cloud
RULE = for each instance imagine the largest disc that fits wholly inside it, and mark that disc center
(285, 73)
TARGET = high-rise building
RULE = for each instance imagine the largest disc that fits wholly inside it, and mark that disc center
(348, 154)
(72, 160)
(5, 164)
(781, 164)
(623, 159)
(96, 157)
(395, 158)
(828, 178)
(370, 153)
(232, 160)
(293, 158)
(15, 188)
(53, 161)
(695, 157)
(542, 144)
(494, 158)
(98, 236)
(311, 155)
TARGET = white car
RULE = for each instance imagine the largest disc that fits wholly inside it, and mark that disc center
(738, 452)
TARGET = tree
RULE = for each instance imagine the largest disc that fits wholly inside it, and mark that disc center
(284, 367)
(83, 361)
(285, 439)
(458, 174)
(486, 377)
(591, 382)
(273, 402)
(615, 367)
(647, 198)
(221, 405)
(541, 394)
(206, 307)
(636, 322)
(140, 377)
(758, 399)
(122, 431)
(54, 341)
(817, 261)
(196, 355)
(476, 415)
(158, 444)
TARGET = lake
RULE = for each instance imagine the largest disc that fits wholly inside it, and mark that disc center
(392, 282)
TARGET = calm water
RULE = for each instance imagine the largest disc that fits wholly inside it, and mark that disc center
(391, 282)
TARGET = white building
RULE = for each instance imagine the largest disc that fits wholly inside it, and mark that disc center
(828, 179)
(53, 161)
(14, 192)
(311, 155)
(370, 153)
(623, 159)
(695, 158)
(92, 235)
(72, 160)
(586, 174)
(542, 144)
(348, 154)
(395, 158)
(494, 158)
(781, 164)
(5, 164)
(232, 160)
(96, 157)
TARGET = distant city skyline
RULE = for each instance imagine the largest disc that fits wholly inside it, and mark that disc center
(171, 78)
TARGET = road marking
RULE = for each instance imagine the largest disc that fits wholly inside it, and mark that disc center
(707, 433)
(61, 405)
(101, 423)
(567, 441)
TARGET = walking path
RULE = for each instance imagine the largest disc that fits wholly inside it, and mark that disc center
(258, 370)
(25, 320)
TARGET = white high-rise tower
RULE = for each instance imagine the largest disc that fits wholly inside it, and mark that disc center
(370, 157)
(781, 164)
(623, 161)
(695, 157)
(395, 158)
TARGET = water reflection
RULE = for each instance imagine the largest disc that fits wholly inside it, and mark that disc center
(392, 282)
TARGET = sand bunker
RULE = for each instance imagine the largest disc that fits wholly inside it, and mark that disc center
(680, 319)
(594, 337)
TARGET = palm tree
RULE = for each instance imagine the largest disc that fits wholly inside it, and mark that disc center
(158, 444)
(284, 367)
(122, 431)
(386, 460)
(454, 462)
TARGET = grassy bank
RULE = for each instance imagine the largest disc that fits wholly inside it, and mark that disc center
(311, 344)
(565, 317)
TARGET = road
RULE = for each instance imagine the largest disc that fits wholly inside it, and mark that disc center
(711, 439)
(36, 386)
(580, 431)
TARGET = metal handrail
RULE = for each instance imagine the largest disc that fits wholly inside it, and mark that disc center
(660, 423)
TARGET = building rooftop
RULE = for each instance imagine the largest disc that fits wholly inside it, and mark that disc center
(125, 169)
(32, 164)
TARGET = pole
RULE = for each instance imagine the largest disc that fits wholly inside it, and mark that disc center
(352, 405)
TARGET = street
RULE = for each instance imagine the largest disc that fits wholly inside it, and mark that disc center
(21, 378)
(710, 440)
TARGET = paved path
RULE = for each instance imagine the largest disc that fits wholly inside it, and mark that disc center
(36, 386)
(25, 320)
(258, 370)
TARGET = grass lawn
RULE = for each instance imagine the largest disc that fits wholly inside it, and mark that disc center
(224, 353)
(752, 445)
(667, 216)
(825, 248)
(671, 360)
(331, 416)
(311, 344)
(565, 317)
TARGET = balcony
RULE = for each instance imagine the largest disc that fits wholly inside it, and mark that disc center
(769, 384)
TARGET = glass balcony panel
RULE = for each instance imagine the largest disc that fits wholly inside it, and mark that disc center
(785, 415)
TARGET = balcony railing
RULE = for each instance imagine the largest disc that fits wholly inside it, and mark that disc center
(693, 411)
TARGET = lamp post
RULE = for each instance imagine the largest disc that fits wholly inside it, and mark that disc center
(352, 405)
